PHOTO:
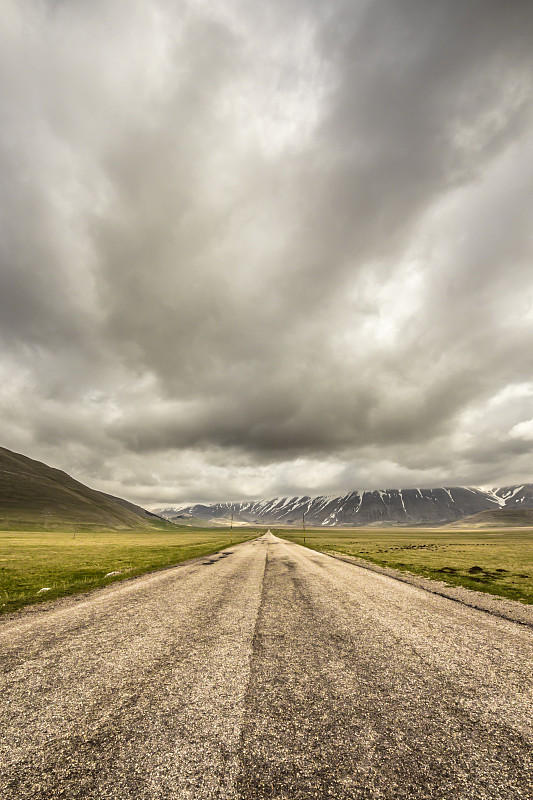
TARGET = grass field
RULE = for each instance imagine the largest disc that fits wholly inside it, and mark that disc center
(497, 562)
(68, 563)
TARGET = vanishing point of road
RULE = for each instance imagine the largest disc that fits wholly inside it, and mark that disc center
(265, 671)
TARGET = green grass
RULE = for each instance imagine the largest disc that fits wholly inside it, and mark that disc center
(72, 562)
(498, 562)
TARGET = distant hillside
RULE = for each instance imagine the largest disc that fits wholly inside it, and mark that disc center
(502, 518)
(34, 495)
(438, 506)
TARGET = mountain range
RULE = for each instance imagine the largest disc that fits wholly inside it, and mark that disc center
(439, 506)
(36, 496)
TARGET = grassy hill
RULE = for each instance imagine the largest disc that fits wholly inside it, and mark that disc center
(499, 518)
(35, 496)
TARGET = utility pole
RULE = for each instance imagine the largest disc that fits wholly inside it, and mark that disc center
(231, 529)
(303, 524)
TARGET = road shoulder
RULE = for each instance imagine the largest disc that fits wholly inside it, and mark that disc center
(498, 606)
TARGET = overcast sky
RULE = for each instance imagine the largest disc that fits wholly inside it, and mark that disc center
(251, 249)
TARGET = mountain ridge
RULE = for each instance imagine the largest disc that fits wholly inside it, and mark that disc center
(436, 506)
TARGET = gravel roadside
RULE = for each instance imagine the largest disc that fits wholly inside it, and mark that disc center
(499, 606)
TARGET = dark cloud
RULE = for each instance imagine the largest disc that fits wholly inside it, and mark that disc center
(269, 248)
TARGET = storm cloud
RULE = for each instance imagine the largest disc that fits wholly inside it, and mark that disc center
(250, 249)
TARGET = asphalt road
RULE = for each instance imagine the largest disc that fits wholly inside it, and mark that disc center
(268, 672)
